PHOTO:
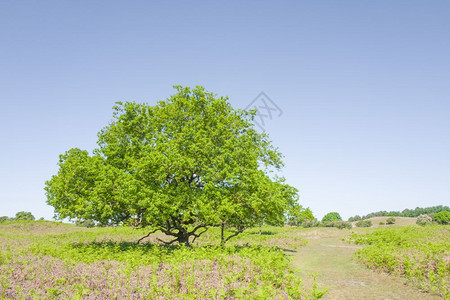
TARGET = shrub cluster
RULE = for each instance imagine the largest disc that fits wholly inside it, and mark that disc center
(418, 253)
(405, 213)
(390, 221)
(20, 216)
(310, 223)
(442, 217)
(424, 220)
(363, 223)
(338, 224)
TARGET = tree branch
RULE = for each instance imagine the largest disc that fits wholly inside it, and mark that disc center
(167, 243)
(234, 234)
(199, 234)
(147, 235)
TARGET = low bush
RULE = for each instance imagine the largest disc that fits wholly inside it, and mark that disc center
(421, 254)
(310, 223)
(381, 223)
(390, 221)
(364, 223)
(424, 220)
(338, 224)
(442, 217)
(5, 219)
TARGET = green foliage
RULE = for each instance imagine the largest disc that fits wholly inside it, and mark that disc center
(5, 219)
(363, 223)
(315, 291)
(390, 221)
(310, 223)
(181, 166)
(46, 259)
(418, 253)
(343, 225)
(411, 213)
(442, 217)
(332, 216)
(85, 223)
(24, 216)
(381, 223)
(424, 220)
(338, 224)
(300, 216)
(355, 218)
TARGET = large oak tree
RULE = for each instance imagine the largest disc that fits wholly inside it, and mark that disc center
(180, 166)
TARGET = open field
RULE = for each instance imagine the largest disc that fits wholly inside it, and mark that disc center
(51, 260)
(333, 261)
(47, 260)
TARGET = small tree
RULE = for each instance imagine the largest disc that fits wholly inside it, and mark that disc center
(5, 219)
(442, 217)
(24, 216)
(180, 166)
(424, 220)
(332, 216)
(355, 218)
(298, 216)
(390, 221)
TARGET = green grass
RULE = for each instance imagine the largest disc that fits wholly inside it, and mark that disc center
(48, 260)
(421, 254)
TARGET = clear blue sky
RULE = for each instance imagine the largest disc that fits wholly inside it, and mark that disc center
(364, 87)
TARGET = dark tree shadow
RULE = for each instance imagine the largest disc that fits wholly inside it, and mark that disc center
(148, 248)
(262, 232)
(122, 246)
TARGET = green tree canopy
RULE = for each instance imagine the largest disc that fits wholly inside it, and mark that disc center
(298, 215)
(332, 216)
(442, 217)
(180, 166)
(5, 219)
(24, 216)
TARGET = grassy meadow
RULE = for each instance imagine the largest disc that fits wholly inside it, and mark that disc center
(421, 254)
(47, 260)
(50, 260)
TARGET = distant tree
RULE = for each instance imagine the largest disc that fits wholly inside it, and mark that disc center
(5, 219)
(355, 218)
(24, 216)
(180, 166)
(390, 221)
(442, 217)
(332, 216)
(424, 220)
(298, 215)
(412, 213)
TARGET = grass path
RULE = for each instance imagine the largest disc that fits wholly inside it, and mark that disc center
(331, 259)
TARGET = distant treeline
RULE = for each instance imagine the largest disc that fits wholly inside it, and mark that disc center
(412, 213)
(20, 216)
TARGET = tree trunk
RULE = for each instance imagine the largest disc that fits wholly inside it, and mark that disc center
(222, 239)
